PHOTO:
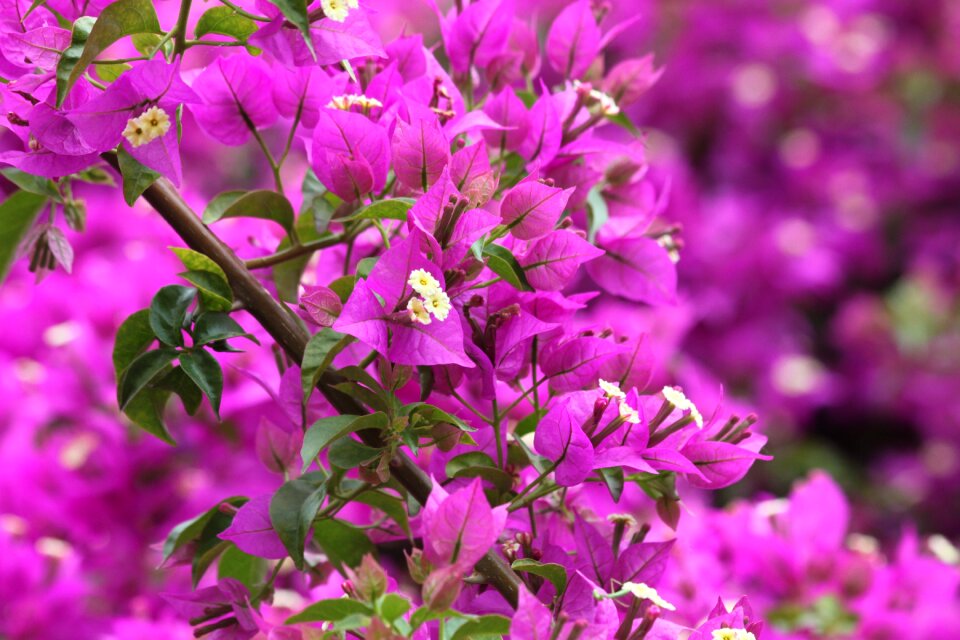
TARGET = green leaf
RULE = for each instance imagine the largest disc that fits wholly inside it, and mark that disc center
(180, 383)
(503, 263)
(241, 566)
(366, 265)
(212, 326)
(392, 209)
(145, 369)
(146, 43)
(624, 121)
(317, 357)
(489, 626)
(331, 610)
(70, 57)
(209, 545)
(293, 508)
(133, 338)
(287, 274)
(168, 309)
(476, 464)
(136, 177)
(122, 18)
(343, 543)
(95, 175)
(296, 12)
(264, 204)
(204, 369)
(215, 293)
(110, 72)
(613, 478)
(347, 453)
(189, 530)
(17, 215)
(343, 287)
(555, 573)
(390, 505)
(225, 21)
(145, 410)
(33, 184)
(434, 415)
(392, 606)
(326, 430)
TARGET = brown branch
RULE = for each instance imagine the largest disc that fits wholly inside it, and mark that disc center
(292, 337)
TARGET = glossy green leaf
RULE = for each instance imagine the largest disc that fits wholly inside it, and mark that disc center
(343, 543)
(212, 326)
(489, 626)
(204, 369)
(293, 508)
(145, 410)
(31, 183)
(503, 263)
(317, 357)
(366, 265)
(17, 215)
(553, 572)
(326, 430)
(189, 530)
(178, 382)
(347, 453)
(136, 177)
(391, 505)
(133, 337)
(168, 309)
(225, 21)
(144, 369)
(215, 293)
(476, 464)
(196, 261)
(264, 204)
(70, 58)
(392, 209)
(330, 611)
(122, 18)
(241, 566)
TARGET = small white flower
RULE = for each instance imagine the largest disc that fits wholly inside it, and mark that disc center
(676, 398)
(346, 101)
(337, 10)
(612, 390)
(148, 126)
(644, 592)
(423, 283)
(418, 311)
(438, 303)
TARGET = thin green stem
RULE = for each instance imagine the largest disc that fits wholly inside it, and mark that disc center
(180, 41)
(497, 434)
(245, 14)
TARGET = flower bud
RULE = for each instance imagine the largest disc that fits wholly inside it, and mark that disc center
(369, 579)
(417, 565)
(442, 587)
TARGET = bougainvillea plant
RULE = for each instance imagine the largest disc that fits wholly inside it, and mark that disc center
(466, 453)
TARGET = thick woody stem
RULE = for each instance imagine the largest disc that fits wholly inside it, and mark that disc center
(289, 333)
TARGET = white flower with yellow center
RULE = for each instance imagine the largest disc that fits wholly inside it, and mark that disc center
(732, 634)
(644, 592)
(346, 101)
(148, 126)
(612, 390)
(439, 304)
(423, 283)
(418, 311)
(676, 398)
(338, 10)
